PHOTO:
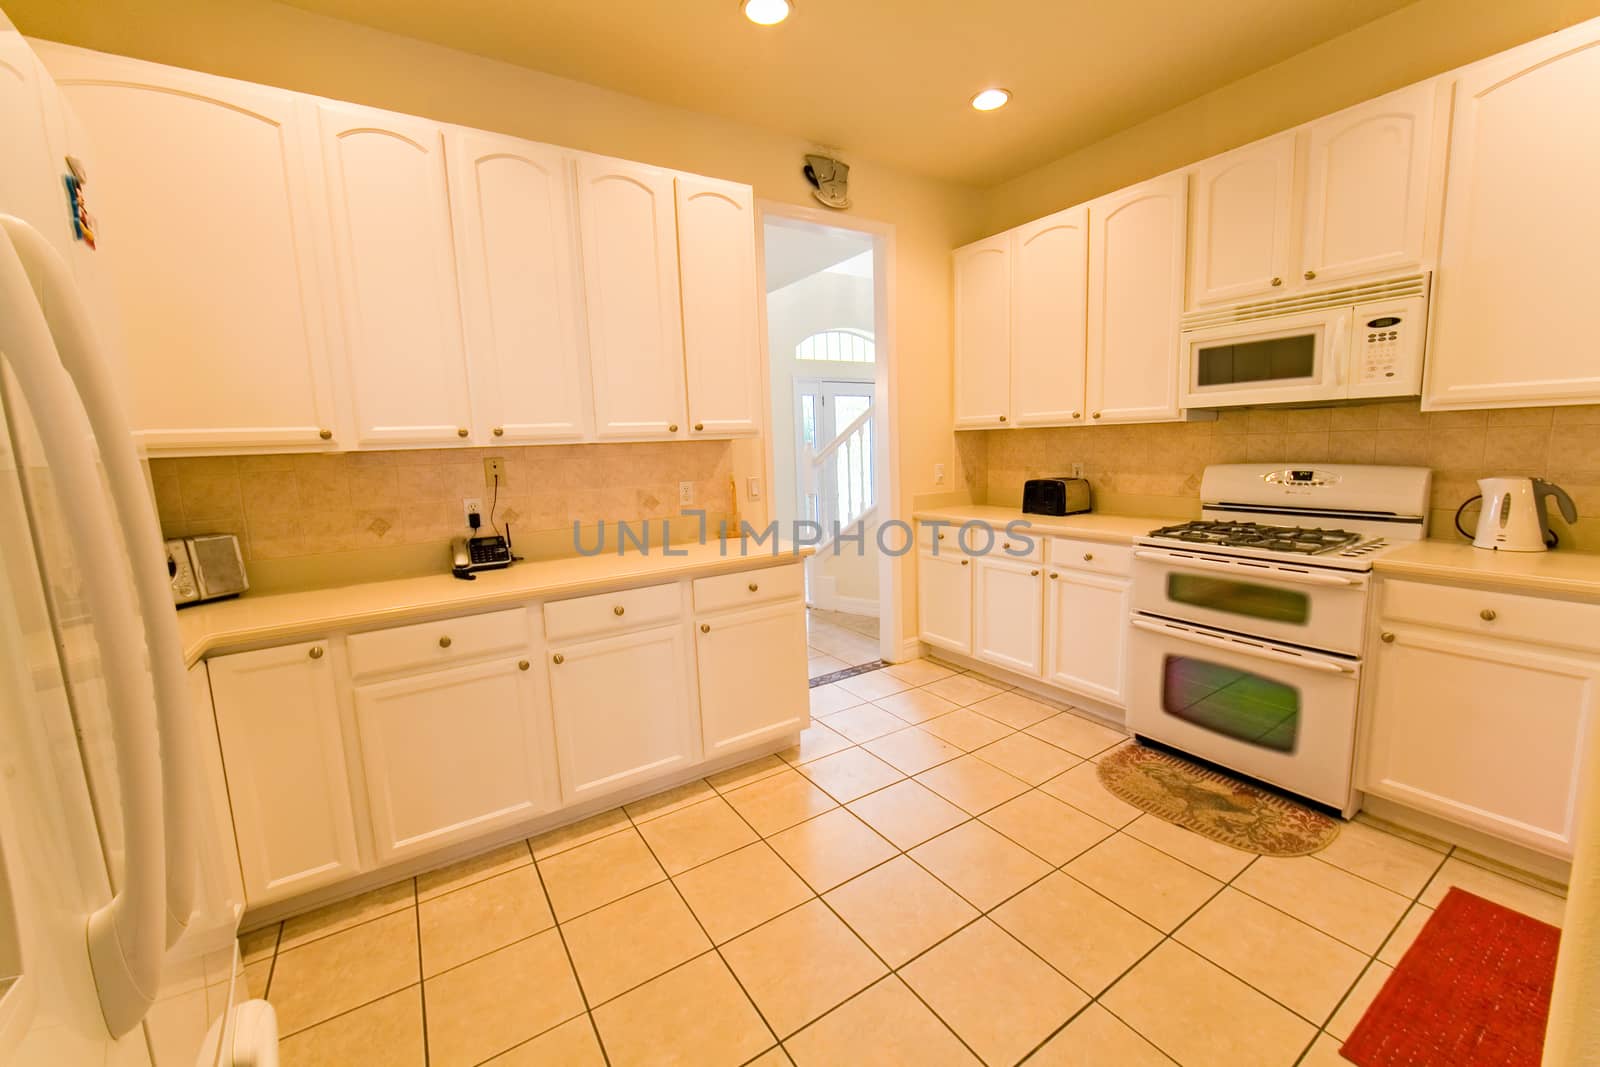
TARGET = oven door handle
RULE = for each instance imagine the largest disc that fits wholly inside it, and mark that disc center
(1292, 659)
(1265, 573)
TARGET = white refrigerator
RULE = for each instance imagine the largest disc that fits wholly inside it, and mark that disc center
(119, 889)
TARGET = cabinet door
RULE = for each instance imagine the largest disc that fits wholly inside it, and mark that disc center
(1487, 734)
(390, 215)
(451, 755)
(1086, 634)
(1136, 243)
(944, 601)
(288, 783)
(1367, 188)
(1512, 313)
(983, 333)
(204, 189)
(622, 710)
(722, 347)
(1008, 614)
(1242, 203)
(516, 232)
(758, 651)
(630, 270)
(1049, 328)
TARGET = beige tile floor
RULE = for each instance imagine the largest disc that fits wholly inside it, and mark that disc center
(933, 875)
(836, 640)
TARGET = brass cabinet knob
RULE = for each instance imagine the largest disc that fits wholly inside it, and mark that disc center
(705, 627)
(965, 562)
(754, 587)
(1386, 637)
(1088, 556)
(1053, 574)
(1077, 415)
(1002, 418)
(699, 425)
(326, 435)
(618, 610)
(1277, 281)
(444, 642)
(673, 428)
(462, 432)
(1005, 544)
(1033, 574)
(316, 652)
(523, 664)
(1488, 615)
(941, 537)
(1095, 415)
(1310, 274)
(559, 658)
(499, 431)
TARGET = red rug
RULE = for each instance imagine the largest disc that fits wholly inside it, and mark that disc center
(1472, 991)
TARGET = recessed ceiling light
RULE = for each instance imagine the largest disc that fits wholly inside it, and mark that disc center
(991, 99)
(767, 12)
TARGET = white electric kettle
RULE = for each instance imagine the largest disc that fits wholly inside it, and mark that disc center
(1514, 516)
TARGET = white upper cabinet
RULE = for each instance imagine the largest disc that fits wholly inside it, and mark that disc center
(983, 333)
(516, 233)
(201, 185)
(721, 335)
(1242, 208)
(1513, 311)
(1049, 307)
(1367, 181)
(390, 213)
(1136, 252)
(627, 220)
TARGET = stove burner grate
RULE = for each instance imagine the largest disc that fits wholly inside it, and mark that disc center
(1301, 540)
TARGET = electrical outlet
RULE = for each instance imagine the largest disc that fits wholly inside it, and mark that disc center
(1077, 470)
(938, 474)
(469, 507)
(686, 492)
(494, 468)
(753, 488)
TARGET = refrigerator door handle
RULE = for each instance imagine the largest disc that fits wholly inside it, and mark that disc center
(126, 937)
(84, 359)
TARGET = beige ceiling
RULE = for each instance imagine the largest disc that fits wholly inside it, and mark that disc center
(890, 79)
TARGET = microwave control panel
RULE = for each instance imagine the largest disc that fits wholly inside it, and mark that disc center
(1386, 348)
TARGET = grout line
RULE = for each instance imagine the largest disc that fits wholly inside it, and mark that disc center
(422, 990)
(572, 967)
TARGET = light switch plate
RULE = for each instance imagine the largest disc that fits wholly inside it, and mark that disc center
(938, 474)
(753, 488)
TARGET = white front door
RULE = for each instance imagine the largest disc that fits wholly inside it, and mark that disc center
(824, 410)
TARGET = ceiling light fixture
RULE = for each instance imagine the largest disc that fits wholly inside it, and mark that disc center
(767, 12)
(991, 99)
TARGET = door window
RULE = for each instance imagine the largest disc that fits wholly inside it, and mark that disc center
(1235, 703)
(1239, 598)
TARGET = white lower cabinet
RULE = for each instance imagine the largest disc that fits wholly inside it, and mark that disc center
(284, 757)
(1008, 614)
(452, 754)
(623, 710)
(1470, 720)
(944, 600)
(1086, 627)
(753, 684)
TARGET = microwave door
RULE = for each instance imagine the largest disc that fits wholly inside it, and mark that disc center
(1292, 359)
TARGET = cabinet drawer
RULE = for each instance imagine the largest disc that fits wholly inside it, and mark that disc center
(434, 644)
(609, 613)
(1096, 556)
(1560, 623)
(748, 588)
(975, 542)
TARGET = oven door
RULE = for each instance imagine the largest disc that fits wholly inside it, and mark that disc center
(1283, 715)
(1302, 605)
(1288, 359)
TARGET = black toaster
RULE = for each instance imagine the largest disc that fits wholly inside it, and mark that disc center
(1056, 496)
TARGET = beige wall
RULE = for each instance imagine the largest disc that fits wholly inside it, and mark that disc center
(278, 45)
(1155, 469)
(1415, 42)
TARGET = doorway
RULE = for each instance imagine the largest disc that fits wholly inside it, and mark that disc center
(824, 321)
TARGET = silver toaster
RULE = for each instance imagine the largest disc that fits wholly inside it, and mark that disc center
(205, 568)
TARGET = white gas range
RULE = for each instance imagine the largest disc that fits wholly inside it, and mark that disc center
(1248, 624)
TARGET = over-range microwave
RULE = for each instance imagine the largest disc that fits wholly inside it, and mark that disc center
(1361, 341)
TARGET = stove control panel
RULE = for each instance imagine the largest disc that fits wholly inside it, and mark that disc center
(1296, 477)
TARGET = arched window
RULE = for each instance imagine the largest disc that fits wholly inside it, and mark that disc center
(838, 346)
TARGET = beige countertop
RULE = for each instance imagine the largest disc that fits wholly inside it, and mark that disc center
(1092, 526)
(204, 628)
(1560, 573)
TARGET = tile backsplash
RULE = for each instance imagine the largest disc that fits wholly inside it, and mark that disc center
(1157, 467)
(284, 506)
